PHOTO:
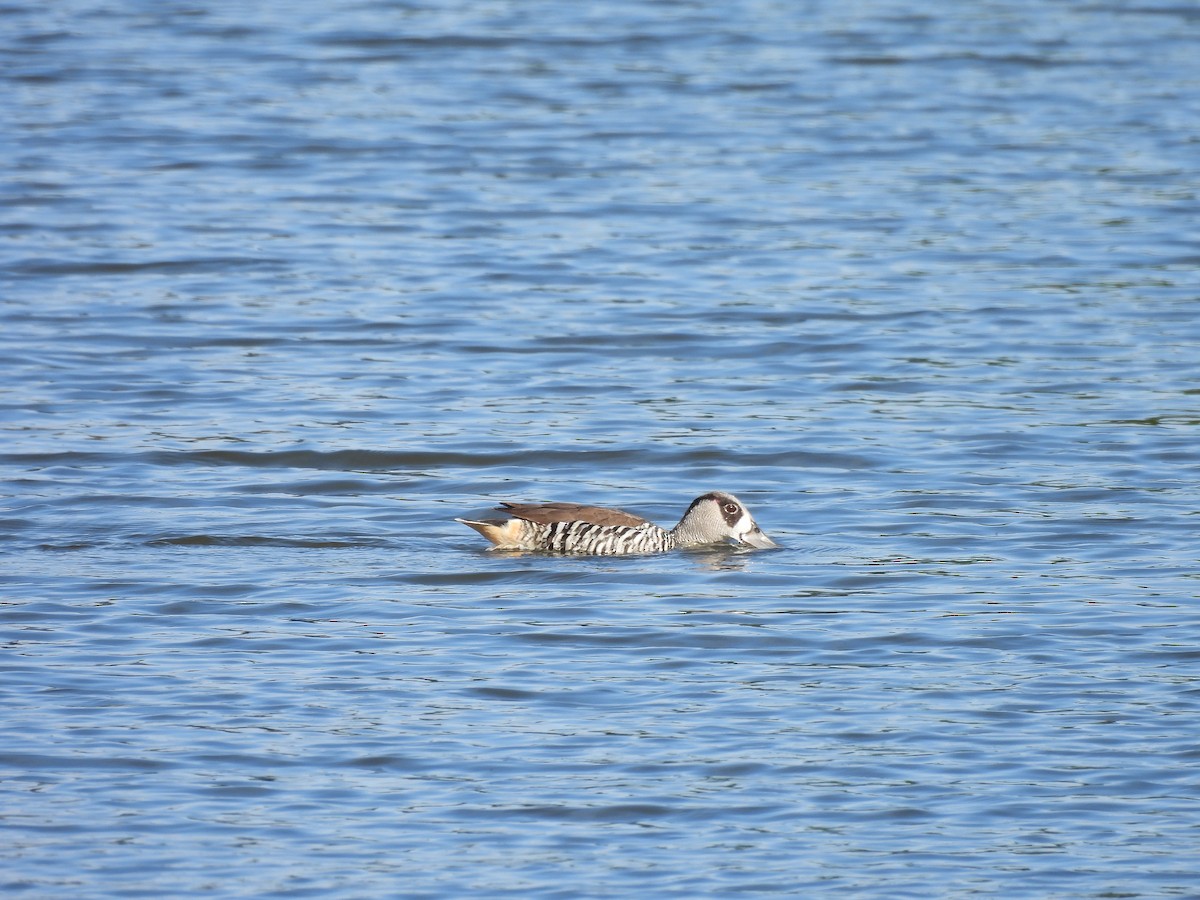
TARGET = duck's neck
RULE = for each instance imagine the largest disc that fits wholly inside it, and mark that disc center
(685, 534)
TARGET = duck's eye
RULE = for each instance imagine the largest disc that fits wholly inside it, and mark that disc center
(731, 508)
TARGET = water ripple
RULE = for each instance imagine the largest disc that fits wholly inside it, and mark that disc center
(290, 288)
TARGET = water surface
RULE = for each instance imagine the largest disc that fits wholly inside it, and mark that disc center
(285, 291)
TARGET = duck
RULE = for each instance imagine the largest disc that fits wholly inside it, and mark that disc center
(573, 528)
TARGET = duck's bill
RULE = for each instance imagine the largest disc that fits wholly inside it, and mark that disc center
(758, 540)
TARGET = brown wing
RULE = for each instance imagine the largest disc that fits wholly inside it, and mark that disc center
(545, 513)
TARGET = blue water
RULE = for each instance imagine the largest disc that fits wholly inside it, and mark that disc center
(287, 288)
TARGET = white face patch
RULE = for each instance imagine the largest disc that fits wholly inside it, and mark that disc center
(745, 525)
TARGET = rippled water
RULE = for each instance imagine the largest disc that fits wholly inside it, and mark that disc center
(287, 289)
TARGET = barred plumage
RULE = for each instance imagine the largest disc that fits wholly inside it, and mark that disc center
(596, 531)
(592, 539)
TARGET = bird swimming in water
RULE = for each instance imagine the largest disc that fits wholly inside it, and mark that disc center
(573, 528)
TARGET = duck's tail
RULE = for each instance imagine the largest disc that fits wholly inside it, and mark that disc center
(501, 534)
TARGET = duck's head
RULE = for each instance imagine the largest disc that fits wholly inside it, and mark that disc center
(717, 516)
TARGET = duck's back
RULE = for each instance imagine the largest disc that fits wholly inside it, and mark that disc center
(547, 513)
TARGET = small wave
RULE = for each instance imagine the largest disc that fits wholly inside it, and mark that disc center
(227, 540)
(38, 266)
